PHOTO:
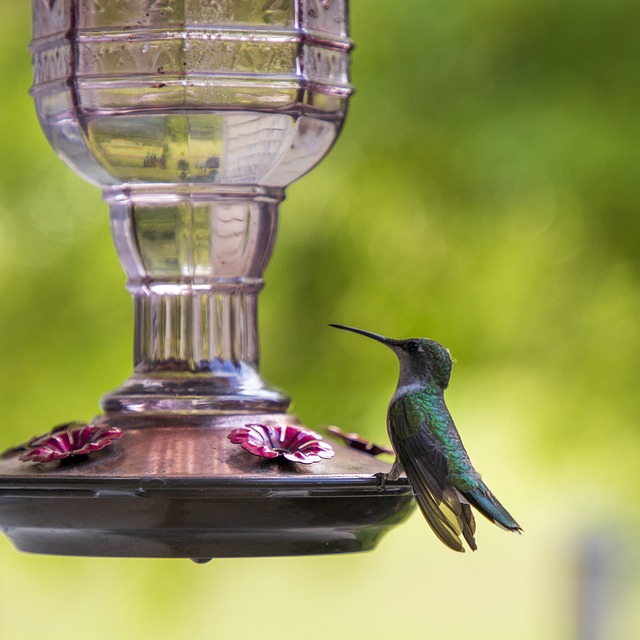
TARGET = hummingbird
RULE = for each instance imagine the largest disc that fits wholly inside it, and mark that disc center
(428, 447)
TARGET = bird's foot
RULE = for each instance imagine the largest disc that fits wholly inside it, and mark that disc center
(393, 474)
(382, 477)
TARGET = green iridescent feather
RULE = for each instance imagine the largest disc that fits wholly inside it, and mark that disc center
(438, 467)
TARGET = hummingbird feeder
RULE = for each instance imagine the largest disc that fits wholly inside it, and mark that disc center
(193, 117)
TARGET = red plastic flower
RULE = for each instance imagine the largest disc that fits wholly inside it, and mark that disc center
(74, 439)
(293, 443)
(14, 451)
(354, 441)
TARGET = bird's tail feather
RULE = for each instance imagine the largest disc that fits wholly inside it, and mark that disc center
(489, 506)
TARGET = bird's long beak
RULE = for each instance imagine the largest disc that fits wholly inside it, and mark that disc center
(375, 336)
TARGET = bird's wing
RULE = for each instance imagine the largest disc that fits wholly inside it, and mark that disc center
(442, 505)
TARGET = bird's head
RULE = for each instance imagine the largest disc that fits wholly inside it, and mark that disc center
(421, 360)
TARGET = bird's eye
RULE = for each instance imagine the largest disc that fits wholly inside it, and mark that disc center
(413, 346)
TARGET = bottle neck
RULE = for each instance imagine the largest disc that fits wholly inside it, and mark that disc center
(194, 261)
(196, 329)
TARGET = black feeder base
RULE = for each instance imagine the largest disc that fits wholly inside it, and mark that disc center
(177, 488)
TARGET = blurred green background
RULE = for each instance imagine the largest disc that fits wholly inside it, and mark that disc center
(485, 193)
